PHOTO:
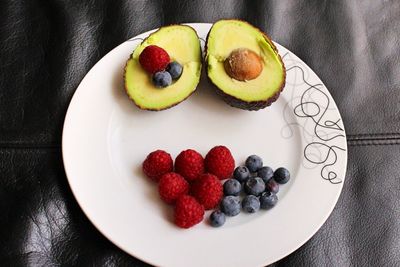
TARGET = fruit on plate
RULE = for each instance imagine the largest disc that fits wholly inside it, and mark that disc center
(188, 212)
(171, 186)
(156, 164)
(208, 191)
(217, 218)
(165, 68)
(244, 65)
(196, 184)
(190, 164)
(220, 162)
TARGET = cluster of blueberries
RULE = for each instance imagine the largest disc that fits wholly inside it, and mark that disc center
(164, 78)
(260, 184)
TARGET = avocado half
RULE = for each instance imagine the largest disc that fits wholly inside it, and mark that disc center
(226, 36)
(183, 45)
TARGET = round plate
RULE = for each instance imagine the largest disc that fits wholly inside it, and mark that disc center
(106, 138)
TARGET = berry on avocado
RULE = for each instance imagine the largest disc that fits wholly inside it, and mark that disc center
(162, 79)
(175, 69)
(154, 59)
(137, 76)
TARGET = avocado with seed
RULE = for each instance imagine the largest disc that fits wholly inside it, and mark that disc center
(244, 65)
(183, 46)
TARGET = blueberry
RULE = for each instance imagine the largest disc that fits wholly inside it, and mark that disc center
(241, 174)
(272, 186)
(217, 218)
(230, 205)
(268, 200)
(251, 204)
(254, 163)
(254, 186)
(162, 79)
(175, 69)
(265, 173)
(281, 175)
(232, 187)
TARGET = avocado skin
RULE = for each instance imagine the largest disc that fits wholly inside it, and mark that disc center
(239, 103)
(125, 85)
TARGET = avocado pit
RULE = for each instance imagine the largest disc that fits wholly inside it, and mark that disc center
(243, 64)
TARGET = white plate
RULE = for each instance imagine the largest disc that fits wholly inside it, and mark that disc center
(106, 137)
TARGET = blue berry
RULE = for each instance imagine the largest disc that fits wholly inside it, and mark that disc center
(254, 163)
(268, 200)
(232, 187)
(265, 173)
(241, 174)
(281, 175)
(251, 204)
(254, 186)
(175, 69)
(230, 205)
(272, 186)
(217, 218)
(162, 79)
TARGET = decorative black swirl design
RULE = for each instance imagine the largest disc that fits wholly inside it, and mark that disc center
(316, 111)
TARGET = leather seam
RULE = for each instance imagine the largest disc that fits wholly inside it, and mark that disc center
(374, 136)
(352, 140)
(376, 142)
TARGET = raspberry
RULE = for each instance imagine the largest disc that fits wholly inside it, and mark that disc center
(153, 59)
(156, 164)
(219, 161)
(207, 189)
(172, 186)
(189, 164)
(188, 212)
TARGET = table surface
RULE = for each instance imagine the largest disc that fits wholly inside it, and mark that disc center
(47, 47)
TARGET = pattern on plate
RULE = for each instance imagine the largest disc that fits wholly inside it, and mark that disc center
(321, 128)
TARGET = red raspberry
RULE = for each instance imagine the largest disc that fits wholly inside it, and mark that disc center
(188, 212)
(156, 164)
(153, 59)
(172, 186)
(207, 190)
(219, 161)
(189, 164)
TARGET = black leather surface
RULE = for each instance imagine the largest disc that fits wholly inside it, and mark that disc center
(46, 48)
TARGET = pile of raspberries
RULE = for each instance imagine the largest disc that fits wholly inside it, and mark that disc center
(193, 183)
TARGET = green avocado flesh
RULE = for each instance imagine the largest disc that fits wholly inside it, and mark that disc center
(183, 45)
(228, 35)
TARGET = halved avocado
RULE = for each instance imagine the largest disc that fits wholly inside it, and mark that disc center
(183, 45)
(227, 36)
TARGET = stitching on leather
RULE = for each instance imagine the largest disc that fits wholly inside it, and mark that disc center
(378, 142)
(352, 140)
(396, 135)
